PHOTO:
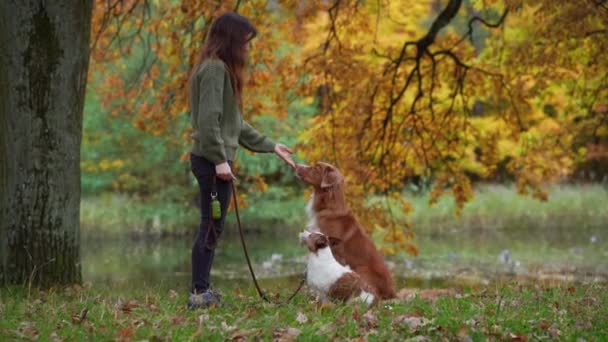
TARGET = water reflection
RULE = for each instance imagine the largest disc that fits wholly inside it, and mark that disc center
(447, 258)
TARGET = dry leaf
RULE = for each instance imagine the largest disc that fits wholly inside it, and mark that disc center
(413, 322)
(356, 315)
(172, 294)
(153, 308)
(517, 337)
(285, 335)
(28, 330)
(127, 306)
(56, 337)
(554, 331)
(125, 334)
(227, 327)
(244, 335)
(301, 318)
(463, 332)
(418, 338)
(178, 320)
(466, 338)
(77, 318)
(199, 329)
(370, 320)
(324, 329)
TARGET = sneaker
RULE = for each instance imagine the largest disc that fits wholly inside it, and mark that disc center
(203, 300)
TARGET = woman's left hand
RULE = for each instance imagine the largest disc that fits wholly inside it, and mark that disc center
(284, 153)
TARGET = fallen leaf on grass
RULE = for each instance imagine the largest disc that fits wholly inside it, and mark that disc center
(199, 330)
(324, 329)
(250, 311)
(418, 338)
(584, 324)
(245, 335)
(238, 294)
(406, 293)
(369, 333)
(203, 318)
(78, 318)
(340, 320)
(554, 331)
(178, 320)
(125, 334)
(463, 332)
(227, 327)
(325, 305)
(517, 337)
(370, 320)
(91, 328)
(285, 334)
(55, 337)
(471, 322)
(127, 306)
(198, 333)
(301, 318)
(543, 325)
(431, 294)
(28, 330)
(172, 294)
(153, 308)
(413, 322)
(138, 322)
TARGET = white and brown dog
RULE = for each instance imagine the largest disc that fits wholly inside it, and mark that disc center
(328, 277)
(349, 242)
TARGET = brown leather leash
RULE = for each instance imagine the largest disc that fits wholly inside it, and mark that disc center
(255, 281)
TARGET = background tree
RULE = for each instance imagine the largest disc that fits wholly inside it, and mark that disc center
(504, 86)
(437, 93)
(43, 73)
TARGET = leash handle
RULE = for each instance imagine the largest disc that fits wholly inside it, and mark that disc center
(255, 281)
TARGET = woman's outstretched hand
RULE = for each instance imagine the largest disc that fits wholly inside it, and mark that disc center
(224, 172)
(284, 153)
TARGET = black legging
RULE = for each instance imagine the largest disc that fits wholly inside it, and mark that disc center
(202, 250)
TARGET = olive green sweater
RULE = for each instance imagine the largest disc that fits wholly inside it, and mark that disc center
(218, 125)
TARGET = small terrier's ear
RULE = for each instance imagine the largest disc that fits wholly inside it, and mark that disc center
(321, 241)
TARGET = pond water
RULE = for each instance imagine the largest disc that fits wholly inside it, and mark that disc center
(448, 258)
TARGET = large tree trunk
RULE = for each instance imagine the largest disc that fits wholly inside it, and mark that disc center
(44, 54)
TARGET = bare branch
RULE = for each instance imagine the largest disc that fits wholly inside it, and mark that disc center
(442, 20)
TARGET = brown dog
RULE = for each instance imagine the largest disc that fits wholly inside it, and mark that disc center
(348, 241)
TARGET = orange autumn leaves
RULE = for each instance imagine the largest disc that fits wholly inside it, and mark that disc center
(525, 98)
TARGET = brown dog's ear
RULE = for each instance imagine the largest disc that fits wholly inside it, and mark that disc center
(321, 241)
(331, 177)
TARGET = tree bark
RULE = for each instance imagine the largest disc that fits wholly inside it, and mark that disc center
(44, 59)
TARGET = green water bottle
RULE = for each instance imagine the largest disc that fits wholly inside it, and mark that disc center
(216, 210)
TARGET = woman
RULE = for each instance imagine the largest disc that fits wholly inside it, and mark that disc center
(216, 92)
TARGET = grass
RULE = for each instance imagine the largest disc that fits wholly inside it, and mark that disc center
(115, 215)
(504, 312)
(494, 207)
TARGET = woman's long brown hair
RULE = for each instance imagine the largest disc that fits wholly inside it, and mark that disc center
(226, 40)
